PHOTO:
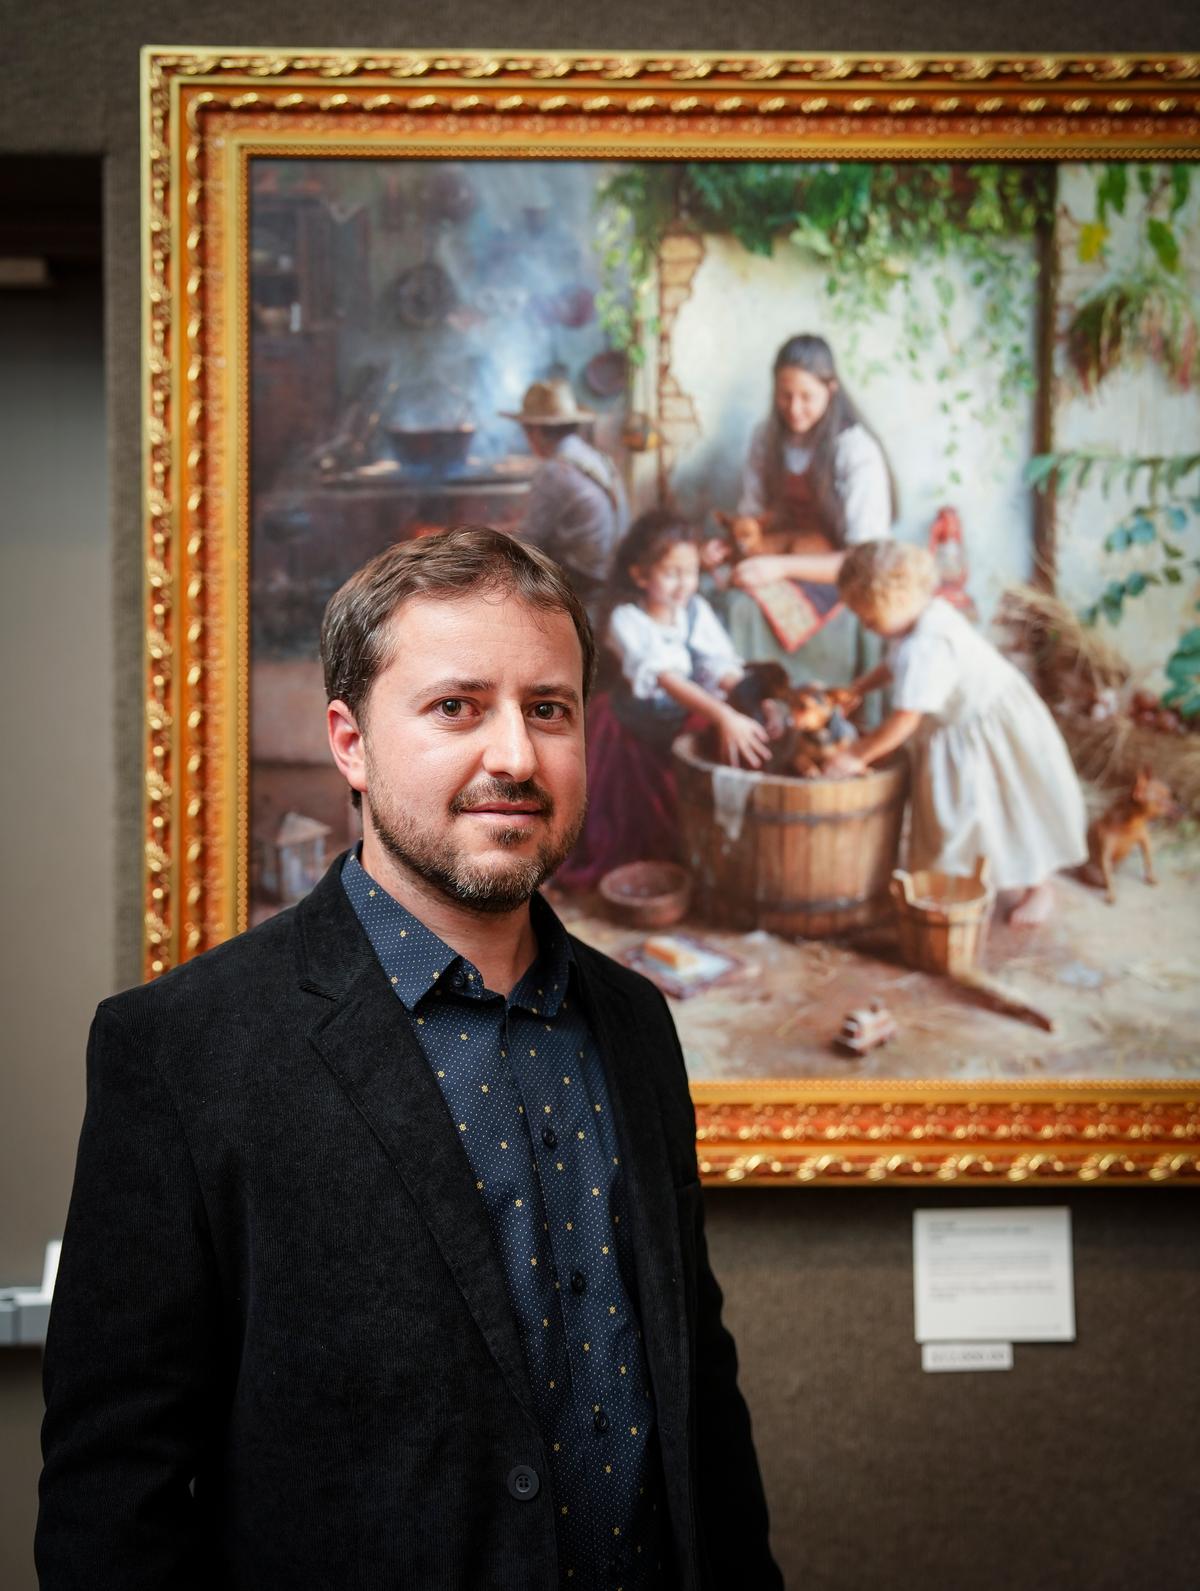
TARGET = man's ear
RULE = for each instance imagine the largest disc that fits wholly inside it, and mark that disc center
(346, 744)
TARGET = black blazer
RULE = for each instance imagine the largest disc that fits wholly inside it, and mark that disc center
(282, 1353)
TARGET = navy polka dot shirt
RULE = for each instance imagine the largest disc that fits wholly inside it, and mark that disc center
(524, 1084)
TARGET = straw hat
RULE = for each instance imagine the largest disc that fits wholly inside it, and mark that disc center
(548, 403)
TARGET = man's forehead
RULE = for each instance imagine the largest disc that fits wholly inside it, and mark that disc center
(476, 607)
(487, 624)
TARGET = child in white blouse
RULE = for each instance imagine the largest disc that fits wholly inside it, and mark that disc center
(675, 655)
(676, 663)
(992, 775)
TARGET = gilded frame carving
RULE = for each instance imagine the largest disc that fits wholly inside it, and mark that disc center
(205, 112)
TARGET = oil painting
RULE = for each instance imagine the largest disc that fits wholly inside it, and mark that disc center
(887, 450)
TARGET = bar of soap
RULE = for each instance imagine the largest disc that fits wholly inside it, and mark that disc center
(672, 954)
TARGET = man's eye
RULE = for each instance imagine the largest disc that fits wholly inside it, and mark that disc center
(549, 712)
(452, 707)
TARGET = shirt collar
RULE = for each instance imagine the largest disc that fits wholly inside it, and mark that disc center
(415, 959)
(544, 987)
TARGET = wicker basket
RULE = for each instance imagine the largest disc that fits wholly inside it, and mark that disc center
(942, 918)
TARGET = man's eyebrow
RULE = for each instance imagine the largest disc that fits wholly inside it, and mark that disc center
(484, 687)
(457, 687)
(567, 692)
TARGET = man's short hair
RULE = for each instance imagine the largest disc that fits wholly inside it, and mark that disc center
(451, 563)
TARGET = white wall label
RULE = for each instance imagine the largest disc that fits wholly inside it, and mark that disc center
(966, 1356)
(997, 1275)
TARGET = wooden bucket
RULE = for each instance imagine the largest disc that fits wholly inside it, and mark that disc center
(806, 858)
(942, 918)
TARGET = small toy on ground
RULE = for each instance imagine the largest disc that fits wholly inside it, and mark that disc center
(1126, 823)
(865, 1028)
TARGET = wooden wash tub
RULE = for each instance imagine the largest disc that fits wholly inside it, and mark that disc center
(806, 858)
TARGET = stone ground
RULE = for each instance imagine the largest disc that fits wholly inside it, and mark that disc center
(1121, 983)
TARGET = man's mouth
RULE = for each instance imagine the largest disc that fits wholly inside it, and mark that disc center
(506, 809)
(516, 805)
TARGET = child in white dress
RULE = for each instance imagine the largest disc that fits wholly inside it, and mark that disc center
(675, 662)
(992, 775)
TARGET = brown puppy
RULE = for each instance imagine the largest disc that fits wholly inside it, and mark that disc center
(1126, 823)
(822, 727)
(748, 536)
(806, 723)
(760, 694)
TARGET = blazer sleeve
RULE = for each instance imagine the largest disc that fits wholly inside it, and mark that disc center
(131, 1352)
(731, 1506)
(731, 1503)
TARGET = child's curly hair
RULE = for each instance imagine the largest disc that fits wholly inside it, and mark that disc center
(876, 574)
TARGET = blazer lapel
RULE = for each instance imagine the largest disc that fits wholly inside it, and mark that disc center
(365, 1040)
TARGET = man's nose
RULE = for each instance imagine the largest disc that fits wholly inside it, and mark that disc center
(509, 752)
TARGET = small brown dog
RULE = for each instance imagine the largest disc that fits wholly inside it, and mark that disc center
(1126, 823)
(820, 719)
(746, 536)
(807, 724)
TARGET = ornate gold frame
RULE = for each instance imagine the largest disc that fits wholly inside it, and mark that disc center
(206, 111)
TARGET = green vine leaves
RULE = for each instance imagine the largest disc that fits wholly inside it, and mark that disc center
(1148, 309)
(897, 237)
(912, 239)
(1152, 523)
(1145, 309)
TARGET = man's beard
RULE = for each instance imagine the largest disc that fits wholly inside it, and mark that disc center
(439, 863)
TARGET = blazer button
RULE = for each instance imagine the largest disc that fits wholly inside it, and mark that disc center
(600, 1422)
(523, 1483)
(549, 1138)
(578, 1282)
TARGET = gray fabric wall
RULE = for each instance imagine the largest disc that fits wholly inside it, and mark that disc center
(1077, 1468)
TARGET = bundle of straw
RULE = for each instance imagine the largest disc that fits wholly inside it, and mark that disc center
(1071, 665)
(1070, 661)
(1110, 753)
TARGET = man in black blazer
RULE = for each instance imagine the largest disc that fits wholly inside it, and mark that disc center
(385, 1262)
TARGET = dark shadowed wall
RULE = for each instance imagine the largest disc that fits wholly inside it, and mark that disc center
(1079, 1467)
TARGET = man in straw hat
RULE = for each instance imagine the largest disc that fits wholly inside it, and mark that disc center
(577, 509)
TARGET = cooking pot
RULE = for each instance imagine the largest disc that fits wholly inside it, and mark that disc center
(431, 450)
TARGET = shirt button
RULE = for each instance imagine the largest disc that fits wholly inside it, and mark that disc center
(578, 1282)
(523, 1483)
(600, 1422)
(549, 1137)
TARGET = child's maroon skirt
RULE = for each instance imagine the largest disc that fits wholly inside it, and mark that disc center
(632, 812)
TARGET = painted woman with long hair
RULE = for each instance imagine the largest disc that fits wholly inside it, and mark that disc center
(816, 483)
